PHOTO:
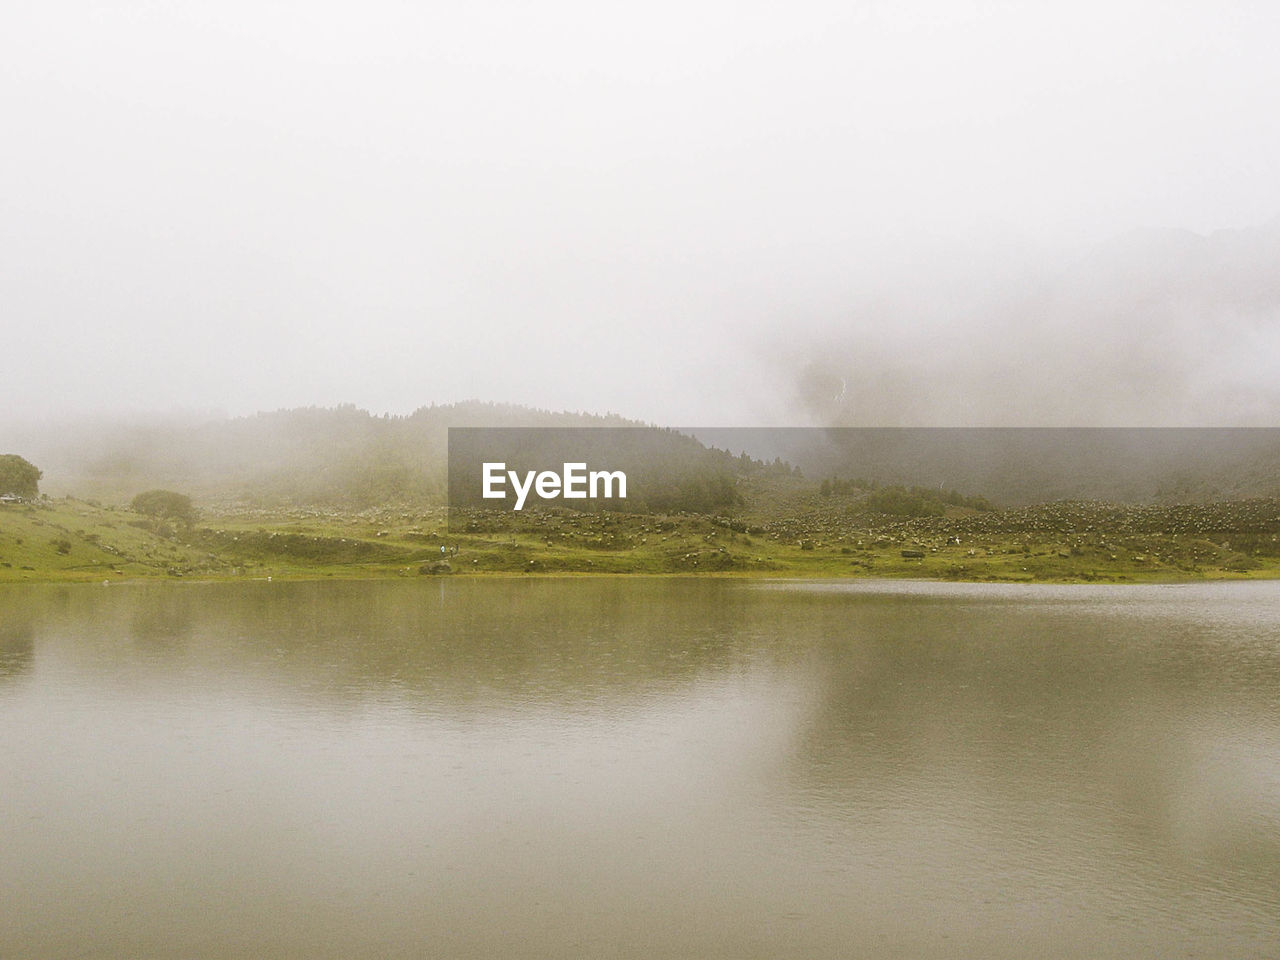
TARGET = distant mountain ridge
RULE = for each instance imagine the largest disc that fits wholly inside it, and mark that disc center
(341, 454)
(350, 457)
(1019, 466)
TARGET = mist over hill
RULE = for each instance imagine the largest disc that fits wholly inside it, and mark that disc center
(1152, 328)
(1017, 466)
(346, 456)
(340, 455)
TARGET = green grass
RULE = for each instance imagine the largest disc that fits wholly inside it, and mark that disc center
(73, 540)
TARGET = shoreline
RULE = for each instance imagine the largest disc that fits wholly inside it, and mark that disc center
(47, 578)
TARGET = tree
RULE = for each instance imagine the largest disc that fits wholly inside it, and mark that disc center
(164, 505)
(18, 477)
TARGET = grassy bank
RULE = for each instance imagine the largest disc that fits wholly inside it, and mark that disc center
(73, 540)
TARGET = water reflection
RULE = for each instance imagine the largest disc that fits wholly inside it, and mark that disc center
(1069, 756)
(164, 619)
(643, 767)
(17, 646)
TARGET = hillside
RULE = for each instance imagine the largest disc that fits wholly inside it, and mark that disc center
(780, 533)
(333, 456)
(342, 493)
(1020, 466)
(349, 458)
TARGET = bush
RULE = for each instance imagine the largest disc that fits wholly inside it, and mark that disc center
(899, 502)
(19, 477)
(164, 505)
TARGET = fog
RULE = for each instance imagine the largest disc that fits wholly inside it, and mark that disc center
(857, 213)
(1155, 328)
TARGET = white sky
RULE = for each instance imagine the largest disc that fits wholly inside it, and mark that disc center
(653, 209)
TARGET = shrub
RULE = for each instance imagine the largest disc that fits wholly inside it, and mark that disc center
(164, 505)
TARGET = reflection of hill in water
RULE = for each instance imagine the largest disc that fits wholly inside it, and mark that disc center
(906, 727)
(1152, 719)
(526, 642)
(1146, 712)
(1077, 649)
(953, 769)
(17, 647)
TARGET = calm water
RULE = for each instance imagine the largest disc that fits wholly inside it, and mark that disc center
(639, 768)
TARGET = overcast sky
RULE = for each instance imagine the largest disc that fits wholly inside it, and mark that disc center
(731, 213)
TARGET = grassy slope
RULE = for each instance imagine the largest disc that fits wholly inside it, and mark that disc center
(792, 535)
(72, 540)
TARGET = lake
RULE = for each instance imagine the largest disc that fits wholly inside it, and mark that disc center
(647, 768)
